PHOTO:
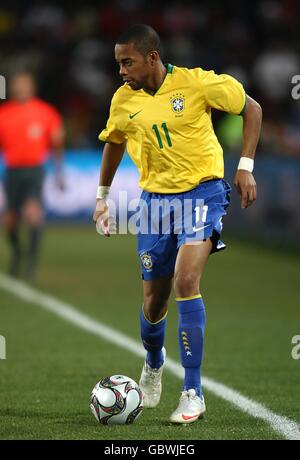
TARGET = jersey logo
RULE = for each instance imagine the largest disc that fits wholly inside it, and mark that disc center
(134, 114)
(177, 102)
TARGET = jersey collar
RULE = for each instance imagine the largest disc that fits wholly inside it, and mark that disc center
(169, 68)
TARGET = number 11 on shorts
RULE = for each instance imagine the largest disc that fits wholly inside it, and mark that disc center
(199, 210)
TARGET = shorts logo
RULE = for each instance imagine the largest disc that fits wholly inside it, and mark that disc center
(177, 102)
(146, 261)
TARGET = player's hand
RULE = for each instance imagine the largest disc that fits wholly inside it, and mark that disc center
(105, 223)
(246, 187)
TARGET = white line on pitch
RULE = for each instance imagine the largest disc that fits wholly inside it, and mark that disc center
(286, 427)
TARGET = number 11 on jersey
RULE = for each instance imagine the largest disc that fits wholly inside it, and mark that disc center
(167, 135)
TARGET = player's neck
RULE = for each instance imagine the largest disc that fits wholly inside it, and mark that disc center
(157, 79)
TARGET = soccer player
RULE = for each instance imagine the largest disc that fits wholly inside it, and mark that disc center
(29, 127)
(162, 114)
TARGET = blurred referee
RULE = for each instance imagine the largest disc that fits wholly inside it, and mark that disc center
(29, 128)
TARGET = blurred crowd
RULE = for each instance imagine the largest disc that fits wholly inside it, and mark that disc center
(69, 46)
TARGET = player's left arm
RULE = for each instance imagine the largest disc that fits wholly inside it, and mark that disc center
(244, 180)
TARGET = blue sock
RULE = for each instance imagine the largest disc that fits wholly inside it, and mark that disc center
(191, 327)
(153, 335)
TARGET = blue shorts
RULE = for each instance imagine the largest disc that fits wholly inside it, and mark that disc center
(167, 221)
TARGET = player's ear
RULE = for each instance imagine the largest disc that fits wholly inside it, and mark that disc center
(153, 57)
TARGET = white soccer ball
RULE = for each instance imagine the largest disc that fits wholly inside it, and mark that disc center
(116, 400)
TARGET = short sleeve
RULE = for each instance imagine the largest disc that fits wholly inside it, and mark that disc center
(223, 92)
(113, 132)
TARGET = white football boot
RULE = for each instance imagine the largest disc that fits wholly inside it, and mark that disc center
(150, 383)
(190, 408)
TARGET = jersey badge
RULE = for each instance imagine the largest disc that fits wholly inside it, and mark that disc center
(177, 102)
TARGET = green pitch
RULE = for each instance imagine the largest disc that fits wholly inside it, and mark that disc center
(252, 303)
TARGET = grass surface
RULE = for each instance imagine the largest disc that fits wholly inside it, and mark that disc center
(252, 303)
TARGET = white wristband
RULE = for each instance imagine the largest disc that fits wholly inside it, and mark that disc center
(246, 163)
(102, 191)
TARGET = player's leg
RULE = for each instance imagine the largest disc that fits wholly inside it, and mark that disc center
(11, 218)
(201, 236)
(153, 325)
(153, 318)
(190, 264)
(11, 229)
(157, 251)
(32, 214)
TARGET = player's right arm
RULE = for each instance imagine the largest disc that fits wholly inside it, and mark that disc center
(111, 158)
(223, 92)
(115, 138)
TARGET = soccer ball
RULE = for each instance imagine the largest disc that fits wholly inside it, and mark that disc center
(116, 400)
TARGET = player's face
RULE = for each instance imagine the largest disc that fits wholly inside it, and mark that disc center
(22, 87)
(135, 69)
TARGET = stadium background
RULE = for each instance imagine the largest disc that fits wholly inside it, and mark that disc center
(69, 47)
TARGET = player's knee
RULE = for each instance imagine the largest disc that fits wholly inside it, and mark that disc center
(185, 284)
(154, 310)
(33, 214)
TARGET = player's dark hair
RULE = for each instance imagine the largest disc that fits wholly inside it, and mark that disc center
(144, 38)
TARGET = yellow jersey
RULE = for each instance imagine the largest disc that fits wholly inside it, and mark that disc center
(169, 135)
